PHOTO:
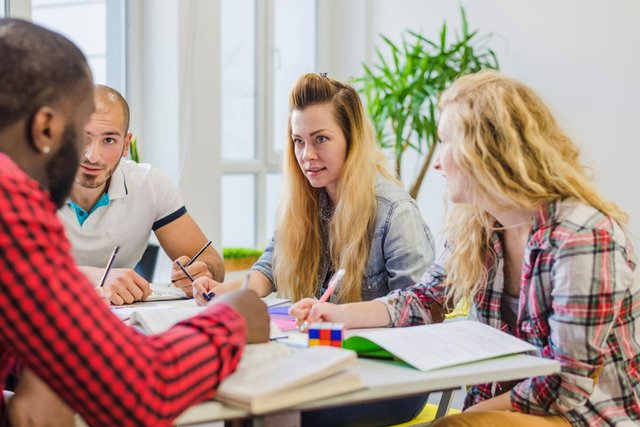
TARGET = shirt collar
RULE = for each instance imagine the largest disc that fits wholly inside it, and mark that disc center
(81, 214)
(544, 215)
(117, 185)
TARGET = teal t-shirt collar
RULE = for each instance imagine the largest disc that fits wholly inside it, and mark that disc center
(81, 214)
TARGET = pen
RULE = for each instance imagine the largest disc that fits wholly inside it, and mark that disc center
(206, 245)
(109, 264)
(333, 283)
(191, 261)
(184, 270)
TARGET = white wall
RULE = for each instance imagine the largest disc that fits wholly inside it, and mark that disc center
(582, 56)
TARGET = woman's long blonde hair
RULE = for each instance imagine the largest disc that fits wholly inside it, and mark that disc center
(298, 247)
(506, 141)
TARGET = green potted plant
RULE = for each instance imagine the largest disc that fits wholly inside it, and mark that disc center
(401, 91)
(239, 258)
(134, 150)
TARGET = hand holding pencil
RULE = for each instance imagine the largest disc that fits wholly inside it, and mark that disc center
(195, 268)
(309, 310)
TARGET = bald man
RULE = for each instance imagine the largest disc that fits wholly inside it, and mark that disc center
(115, 201)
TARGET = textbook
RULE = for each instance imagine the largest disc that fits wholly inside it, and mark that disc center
(156, 319)
(436, 346)
(273, 376)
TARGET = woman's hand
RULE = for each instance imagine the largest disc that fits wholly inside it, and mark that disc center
(308, 310)
(206, 286)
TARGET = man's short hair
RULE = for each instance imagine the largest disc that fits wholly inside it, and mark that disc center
(37, 68)
(105, 95)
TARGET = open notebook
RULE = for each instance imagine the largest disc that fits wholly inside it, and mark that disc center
(272, 376)
(165, 292)
(155, 319)
(436, 346)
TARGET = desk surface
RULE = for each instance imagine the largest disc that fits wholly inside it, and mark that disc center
(385, 380)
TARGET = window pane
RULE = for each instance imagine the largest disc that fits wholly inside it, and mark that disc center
(84, 22)
(272, 196)
(98, 65)
(294, 54)
(239, 210)
(238, 78)
(2, 6)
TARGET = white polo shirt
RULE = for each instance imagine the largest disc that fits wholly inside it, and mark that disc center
(141, 199)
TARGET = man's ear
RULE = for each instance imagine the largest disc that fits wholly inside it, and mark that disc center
(47, 128)
(127, 143)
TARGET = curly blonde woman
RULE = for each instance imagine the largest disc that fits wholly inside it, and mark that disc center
(340, 207)
(530, 234)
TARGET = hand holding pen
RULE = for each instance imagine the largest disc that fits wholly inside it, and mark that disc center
(200, 269)
(206, 295)
(303, 308)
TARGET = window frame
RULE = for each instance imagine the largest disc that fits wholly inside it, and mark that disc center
(268, 159)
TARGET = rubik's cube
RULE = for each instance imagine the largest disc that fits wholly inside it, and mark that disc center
(325, 333)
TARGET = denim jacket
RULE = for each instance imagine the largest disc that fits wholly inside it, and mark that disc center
(401, 248)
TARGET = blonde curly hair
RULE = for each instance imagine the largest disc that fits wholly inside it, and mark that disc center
(507, 142)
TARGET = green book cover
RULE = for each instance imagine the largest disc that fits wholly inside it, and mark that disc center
(366, 348)
(436, 346)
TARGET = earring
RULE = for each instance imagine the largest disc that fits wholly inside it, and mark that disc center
(46, 149)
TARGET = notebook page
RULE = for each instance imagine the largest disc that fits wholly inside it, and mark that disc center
(446, 344)
(156, 319)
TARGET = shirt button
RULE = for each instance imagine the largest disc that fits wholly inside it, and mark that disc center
(81, 213)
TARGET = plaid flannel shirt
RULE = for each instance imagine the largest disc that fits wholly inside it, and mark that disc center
(579, 304)
(53, 322)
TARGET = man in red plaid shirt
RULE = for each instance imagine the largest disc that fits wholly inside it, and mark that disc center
(52, 320)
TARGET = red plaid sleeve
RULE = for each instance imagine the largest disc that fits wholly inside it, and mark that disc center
(55, 323)
(412, 306)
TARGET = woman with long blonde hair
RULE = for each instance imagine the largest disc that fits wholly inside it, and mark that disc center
(340, 207)
(530, 234)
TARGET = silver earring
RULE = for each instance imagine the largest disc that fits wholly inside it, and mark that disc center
(46, 149)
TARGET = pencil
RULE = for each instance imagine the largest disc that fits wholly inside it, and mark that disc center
(208, 296)
(206, 245)
(109, 264)
(184, 270)
(333, 283)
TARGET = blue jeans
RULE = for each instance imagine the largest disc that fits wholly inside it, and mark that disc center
(374, 414)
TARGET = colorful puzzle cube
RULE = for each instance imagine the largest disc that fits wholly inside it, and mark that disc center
(326, 333)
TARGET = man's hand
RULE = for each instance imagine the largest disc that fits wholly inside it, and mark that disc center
(247, 303)
(196, 270)
(127, 286)
(36, 405)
